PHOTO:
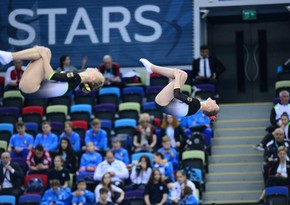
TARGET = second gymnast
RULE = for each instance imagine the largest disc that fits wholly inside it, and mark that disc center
(171, 101)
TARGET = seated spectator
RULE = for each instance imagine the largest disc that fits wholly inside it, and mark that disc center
(285, 125)
(269, 136)
(38, 160)
(68, 154)
(111, 72)
(180, 185)
(97, 136)
(119, 152)
(20, 143)
(73, 137)
(47, 139)
(65, 66)
(103, 199)
(115, 193)
(270, 154)
(10, 176)
(140, 174)
(82, 192)
(280, 171)
(168, 152)
(164, 167)
(59, 172)
(116, 168)
(146, 139)
(90, 160)
(156, 191)
(197, 122)
(280, 108)
(55, 195)
(171, 128)
(13, 75)
(187, 197)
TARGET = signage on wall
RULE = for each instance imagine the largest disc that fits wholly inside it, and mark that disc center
(161, 31)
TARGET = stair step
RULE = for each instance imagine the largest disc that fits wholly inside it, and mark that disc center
(234, 185)
(226, 132)
(257, 158)
(236, 195)
(232, 176)
(236, 140)
(224, 149)
(241, 123)
(235, 167)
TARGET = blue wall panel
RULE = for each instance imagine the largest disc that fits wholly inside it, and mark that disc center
(158, 30)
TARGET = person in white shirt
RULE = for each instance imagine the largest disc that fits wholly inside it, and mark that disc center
(140, 174)
(113, 189)
(116, 168)
(182, 181)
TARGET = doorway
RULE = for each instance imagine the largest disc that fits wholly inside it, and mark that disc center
(251, 52)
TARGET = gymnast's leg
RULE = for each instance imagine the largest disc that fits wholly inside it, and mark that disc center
(179, 77)
(36, 70)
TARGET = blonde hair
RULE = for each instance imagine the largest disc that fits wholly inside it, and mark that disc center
(144, 117)
(212, 112)
(282, 148)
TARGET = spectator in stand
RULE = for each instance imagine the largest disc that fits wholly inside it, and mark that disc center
(73, 137)
(168, 152)
(156, 191)
(55, 195)
(97, 136)
(187, 197)
(145, 140)
(103, 199)
(13, 75)
(272, 146)
(280, 108)
(206, 68)
(47, 139)
(197, 122)
(116, 168)
(179, 185)
(111, 72)
(90, 160)
(171, 128)
(270, 154)
(65, 65)
(115, 193)
(59, 172)
(68, 154)
(20, 143)
(38, 160)
(82, 192)
(10, 176)
(119, 152)
(280, 171)
(165, 167)
(140, 174)
(269, 136)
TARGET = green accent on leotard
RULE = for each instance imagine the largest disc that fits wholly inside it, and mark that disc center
(51, 75)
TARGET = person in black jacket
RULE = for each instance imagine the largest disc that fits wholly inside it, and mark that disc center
(279, 171)
(206, 68)
(11, 176)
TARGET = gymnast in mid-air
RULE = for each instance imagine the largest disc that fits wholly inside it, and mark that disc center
(40, 81)
(172, 101)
